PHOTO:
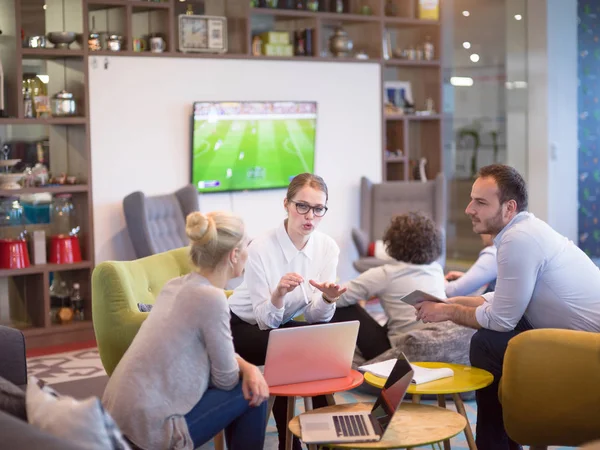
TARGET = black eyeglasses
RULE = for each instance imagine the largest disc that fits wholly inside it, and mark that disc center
(304, 208)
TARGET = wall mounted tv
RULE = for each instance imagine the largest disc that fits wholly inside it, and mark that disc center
(239, 146)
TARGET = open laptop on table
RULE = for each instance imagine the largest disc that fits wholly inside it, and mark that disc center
(310, 353)
(360, 426)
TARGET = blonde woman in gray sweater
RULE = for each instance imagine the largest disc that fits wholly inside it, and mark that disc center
(180, 382)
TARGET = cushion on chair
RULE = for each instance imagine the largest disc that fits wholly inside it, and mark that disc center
(12, 399)
(82, 422)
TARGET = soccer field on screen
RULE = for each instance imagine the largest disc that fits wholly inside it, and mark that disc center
(251, 154)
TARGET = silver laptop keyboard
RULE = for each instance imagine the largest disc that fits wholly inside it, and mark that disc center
(350, 425)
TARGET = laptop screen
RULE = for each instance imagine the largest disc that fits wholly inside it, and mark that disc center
(393, 392)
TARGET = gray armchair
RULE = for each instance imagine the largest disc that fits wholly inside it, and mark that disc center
(380, 202)
(157, 224)
(13, 364)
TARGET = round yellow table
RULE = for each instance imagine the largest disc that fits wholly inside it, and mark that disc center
(465, 379)
(412, 426)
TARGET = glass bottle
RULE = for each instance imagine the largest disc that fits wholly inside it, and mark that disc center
(77, 303)
(428, 49)
(61, 215)
(27, 105)
(59, 298)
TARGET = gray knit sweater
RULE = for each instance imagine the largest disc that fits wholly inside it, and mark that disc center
(183, 345)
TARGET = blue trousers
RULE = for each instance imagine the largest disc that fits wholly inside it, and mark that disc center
(217, 410)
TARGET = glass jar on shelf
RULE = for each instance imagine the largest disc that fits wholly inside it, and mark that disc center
(62, 214)
(64, 240)
(12, 220)
(13, 244)
(38, 92)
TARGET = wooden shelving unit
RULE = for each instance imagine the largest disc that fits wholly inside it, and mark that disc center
(417, 136)
(68, 137)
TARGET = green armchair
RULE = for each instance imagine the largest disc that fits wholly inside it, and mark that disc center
(117, 288)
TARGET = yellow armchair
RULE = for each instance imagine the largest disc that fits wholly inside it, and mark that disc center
(117, 288)
(550, 388)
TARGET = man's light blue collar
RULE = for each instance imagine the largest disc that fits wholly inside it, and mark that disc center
(523, 215)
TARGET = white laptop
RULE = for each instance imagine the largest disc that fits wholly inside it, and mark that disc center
(310, 353)
(362, 426)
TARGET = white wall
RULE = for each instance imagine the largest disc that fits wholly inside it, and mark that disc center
(552, 114)
(140, 136)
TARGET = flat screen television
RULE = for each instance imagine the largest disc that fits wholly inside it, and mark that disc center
(239, 146)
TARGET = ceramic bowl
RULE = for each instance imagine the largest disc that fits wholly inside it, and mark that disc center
(62, 39)
(10, 180)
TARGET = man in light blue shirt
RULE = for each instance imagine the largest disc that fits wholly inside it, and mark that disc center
(544, 281)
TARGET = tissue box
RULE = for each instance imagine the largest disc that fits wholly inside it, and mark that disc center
(38, 247)
(429, 9)
(278, 50)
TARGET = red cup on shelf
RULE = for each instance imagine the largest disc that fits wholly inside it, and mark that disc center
(64, 249)
(13, 254)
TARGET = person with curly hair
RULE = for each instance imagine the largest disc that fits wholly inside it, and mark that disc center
(415, 244)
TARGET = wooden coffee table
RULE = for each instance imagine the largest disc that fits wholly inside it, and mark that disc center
(465, 379)
(413, 425)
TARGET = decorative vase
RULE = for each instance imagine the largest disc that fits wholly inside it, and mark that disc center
(391, 9)
(340, 43)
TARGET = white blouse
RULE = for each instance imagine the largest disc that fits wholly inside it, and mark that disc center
(269, 258)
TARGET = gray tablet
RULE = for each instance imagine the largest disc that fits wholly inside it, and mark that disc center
(419, 296)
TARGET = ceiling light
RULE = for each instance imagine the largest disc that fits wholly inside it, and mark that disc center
(518, 16)
(467, 45)
(45, 6)
(474, 57)
(466, 13)
(461, 81)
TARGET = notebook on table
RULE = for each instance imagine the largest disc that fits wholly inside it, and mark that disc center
(421, 375)
(366, 426)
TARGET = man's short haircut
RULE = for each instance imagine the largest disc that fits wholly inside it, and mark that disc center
(511, 185)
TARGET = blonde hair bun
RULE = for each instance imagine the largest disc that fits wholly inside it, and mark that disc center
(200, 228)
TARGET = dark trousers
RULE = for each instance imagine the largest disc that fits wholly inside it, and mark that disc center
(250, 343)
(372, 338)
(487, 352)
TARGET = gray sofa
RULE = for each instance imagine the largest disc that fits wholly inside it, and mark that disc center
(379, 202)
(16, 433)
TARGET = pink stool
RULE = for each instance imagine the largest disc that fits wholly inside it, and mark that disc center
(311, 389)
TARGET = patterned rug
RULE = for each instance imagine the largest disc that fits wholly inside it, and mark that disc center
(77, 366)
(65, 367)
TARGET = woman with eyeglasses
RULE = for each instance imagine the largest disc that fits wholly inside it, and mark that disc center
(291, 270)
